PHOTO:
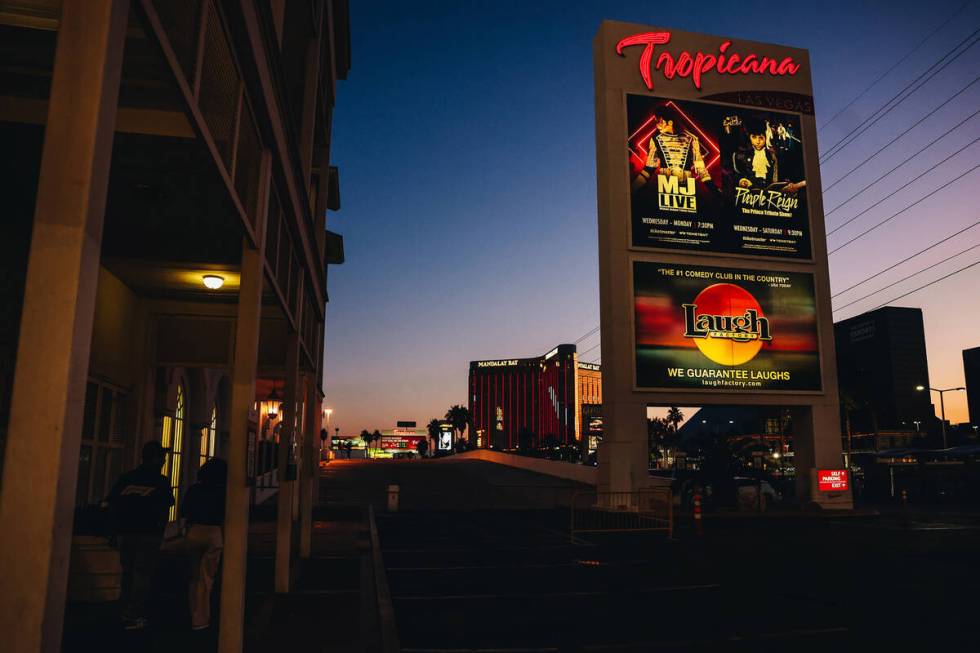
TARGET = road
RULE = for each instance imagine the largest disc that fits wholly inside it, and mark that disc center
(500, 578)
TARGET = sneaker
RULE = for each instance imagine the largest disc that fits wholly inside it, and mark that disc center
(135, 624)
(203, 627)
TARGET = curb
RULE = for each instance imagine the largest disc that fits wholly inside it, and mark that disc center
(386, 612)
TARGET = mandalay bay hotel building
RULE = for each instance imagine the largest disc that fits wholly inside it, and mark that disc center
(167, 177)
(548, 400)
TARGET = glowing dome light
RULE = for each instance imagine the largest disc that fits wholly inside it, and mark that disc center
(213, 281)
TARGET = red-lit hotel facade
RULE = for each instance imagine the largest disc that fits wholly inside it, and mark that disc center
(543, 396)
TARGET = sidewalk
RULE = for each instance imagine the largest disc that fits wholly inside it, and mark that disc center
(332, 605)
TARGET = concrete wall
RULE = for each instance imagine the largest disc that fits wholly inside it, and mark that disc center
(569, 471)
(113, 331)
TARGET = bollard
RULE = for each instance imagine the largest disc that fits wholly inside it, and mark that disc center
(698, 526)
(905, 508)
(392, 498)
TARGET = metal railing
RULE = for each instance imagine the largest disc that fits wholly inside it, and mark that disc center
(645, 510)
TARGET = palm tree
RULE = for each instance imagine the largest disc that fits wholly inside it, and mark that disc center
(366, 438)
(675, 417)
(459, 417)
(376, 436)
(434, 427)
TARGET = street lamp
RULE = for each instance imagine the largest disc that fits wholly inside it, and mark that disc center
(942, 406)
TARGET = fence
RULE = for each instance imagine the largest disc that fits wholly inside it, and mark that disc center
(646, 510)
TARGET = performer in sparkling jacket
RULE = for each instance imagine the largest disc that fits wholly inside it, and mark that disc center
(671, 153)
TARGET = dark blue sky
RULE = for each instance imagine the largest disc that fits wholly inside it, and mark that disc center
(465, 140)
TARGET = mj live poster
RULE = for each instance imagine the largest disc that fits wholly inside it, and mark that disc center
(716, 178)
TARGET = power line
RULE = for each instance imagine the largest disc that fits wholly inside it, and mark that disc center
(587, 335)
(896, 64)
(885, 146)
(910, 157)
(874, 206)
(895, 215)
(914, 274)
(905, 260)
(942, 278)
(851, 136)
(590, 348)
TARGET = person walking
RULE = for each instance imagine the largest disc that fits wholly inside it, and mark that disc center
(139, 503)
(203, 509)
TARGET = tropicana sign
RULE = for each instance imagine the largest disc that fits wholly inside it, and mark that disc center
(695, 66)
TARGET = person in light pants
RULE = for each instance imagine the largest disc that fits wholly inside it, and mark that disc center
(203, 509)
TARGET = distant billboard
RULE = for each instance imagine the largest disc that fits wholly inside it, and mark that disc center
(716, 178)
(714, 328)
(445, 442)
(401, 442)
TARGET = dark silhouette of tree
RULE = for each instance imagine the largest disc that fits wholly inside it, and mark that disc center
(434, 427)
(459, 417)
(366, 438)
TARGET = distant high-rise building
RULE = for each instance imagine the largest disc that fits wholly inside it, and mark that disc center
(971, 369)
(551, 397)
(881, 358)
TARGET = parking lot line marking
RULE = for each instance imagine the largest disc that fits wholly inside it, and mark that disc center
(804, 631)
(479, 650)
(532, 565)
(549, 595)
(477, 548)
(689, 643)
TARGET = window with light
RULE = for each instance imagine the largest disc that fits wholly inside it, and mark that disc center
(209, 435)
(173, 439)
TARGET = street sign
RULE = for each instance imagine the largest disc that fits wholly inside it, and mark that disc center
(832, 480)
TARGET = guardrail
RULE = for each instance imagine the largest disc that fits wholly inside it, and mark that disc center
(416, 496)
(645, 510)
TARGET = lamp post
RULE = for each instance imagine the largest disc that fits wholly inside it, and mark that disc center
(942, 406)
(327, 412)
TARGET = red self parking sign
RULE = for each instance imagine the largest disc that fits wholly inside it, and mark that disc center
(832, 480)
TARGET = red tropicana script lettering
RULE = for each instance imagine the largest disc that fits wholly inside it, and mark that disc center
(686, 65)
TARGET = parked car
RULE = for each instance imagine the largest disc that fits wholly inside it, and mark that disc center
(748, 491)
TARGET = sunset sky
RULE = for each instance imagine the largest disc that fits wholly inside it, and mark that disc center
(465, 141)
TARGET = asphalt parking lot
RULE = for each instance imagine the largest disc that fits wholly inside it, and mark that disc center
(510, 579)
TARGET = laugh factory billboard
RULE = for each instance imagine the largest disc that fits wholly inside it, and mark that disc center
(716, 178)
(746, 329)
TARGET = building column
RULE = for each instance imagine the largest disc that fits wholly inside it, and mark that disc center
(240, 427)
(817, 445)
(44, 430)
(284, 501)
(310, 466)
(624, 453)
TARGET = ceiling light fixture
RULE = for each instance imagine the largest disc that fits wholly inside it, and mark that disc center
(213, 281)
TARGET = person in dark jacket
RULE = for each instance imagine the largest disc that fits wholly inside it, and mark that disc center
(139, 503)
(203, 508)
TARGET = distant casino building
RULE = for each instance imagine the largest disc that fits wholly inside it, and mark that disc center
(552, 397)
(881, 358)
(971, 370)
